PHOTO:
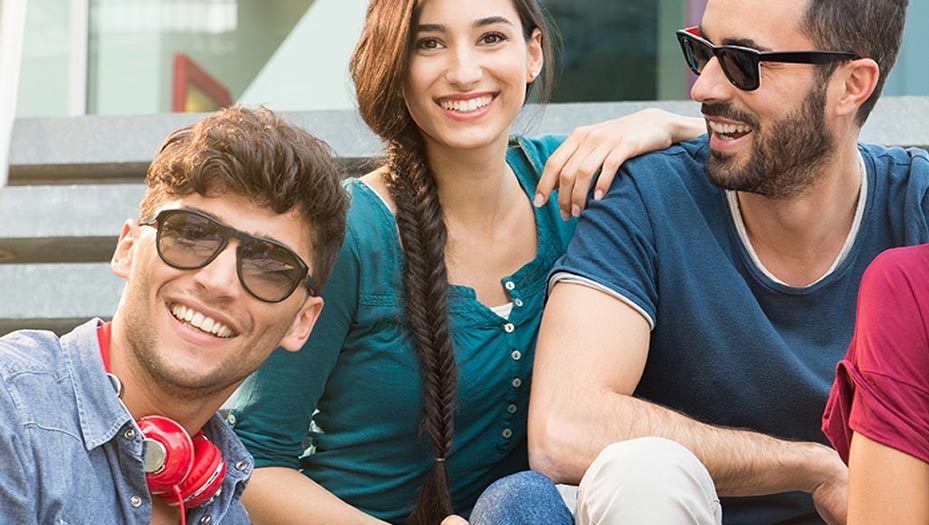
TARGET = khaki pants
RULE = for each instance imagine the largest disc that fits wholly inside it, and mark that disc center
(651, 481)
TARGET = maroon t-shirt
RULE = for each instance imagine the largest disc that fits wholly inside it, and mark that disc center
(881, 389)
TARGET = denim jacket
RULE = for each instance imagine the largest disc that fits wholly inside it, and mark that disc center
(72, 453)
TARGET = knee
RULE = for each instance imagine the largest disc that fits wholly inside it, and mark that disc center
(524, 483)
(521, 498)
(645, 468)
(650, 480)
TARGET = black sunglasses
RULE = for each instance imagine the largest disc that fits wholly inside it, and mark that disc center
(189, 240)
(742, 65)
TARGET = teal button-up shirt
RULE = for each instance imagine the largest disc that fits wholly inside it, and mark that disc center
(360, 370)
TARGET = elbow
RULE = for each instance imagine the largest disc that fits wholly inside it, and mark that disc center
(549, 445)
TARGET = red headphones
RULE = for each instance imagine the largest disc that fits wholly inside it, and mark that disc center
(182, 471)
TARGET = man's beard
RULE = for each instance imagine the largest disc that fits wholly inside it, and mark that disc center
(783, 163)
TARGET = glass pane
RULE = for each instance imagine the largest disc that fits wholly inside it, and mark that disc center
(609, 49)
(621, 50)
(156, 56)
(43, 80)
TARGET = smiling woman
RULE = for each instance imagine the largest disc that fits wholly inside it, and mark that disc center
(415, 384)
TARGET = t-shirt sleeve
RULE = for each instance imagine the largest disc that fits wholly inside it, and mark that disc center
(274, 407)
(882, 387)
(613, 247)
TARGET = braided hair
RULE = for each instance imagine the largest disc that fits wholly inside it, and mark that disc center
(387, 40)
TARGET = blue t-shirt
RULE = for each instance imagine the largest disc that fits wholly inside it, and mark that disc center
(731, 346)
(72, 453)
(359, 369)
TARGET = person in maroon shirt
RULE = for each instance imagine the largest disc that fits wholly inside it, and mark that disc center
(877, 416)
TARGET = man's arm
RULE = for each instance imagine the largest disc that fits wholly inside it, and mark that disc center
(591, 353)
(281, 495)
(886, 485)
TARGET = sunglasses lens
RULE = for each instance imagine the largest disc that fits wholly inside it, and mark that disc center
(741, 68)
(269, 271)
(699, 55)
(187, 240)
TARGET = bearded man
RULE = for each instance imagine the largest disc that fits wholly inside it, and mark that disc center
(694, 325)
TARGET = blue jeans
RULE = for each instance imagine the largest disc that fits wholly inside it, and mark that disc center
(524, 498)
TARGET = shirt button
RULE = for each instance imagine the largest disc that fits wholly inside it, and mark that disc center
(508, 327)
(511, 409)
(510, 285)
(241, 466)
(507, 433)
(135, 501)
(518, 302)
(516, 355)
(206, 519)
(129, 434)
(517, 382)
(230, 418)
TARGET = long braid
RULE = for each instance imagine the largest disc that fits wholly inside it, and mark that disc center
(379, 67)
(424, 235)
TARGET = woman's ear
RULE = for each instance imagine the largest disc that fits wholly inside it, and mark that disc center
(121, 263)
(536, 58)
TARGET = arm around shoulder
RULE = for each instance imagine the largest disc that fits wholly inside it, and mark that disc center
(597, 151)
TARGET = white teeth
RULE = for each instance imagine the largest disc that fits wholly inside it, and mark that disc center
(200, 321)
(466, 106)
(728, 129)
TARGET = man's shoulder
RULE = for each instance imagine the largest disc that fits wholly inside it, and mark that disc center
(682, 165)
(25, 351)
(667, 177)
(898, 162)
(689, 155)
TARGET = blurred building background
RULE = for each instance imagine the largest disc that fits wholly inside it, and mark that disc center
(132, 57)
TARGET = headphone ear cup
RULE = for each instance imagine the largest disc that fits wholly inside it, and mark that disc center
(168, 452)
(206, 476)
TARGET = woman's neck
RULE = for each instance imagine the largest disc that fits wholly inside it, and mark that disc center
(474, 186)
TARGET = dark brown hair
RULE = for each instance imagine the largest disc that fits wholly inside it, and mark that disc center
(869, 28)
(379, 67)
(258, 155)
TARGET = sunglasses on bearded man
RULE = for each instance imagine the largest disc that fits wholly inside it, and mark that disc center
(189, 240)
(742, 65)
